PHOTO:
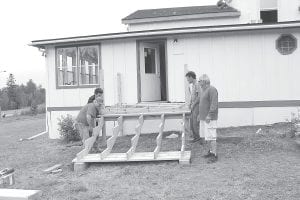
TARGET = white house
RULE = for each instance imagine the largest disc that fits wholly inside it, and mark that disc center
(249, 49)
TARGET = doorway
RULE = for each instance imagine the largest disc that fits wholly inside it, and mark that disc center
(152, 71)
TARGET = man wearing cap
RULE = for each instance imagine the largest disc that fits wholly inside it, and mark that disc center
(85, 118)
(208, 116)
(194, 104)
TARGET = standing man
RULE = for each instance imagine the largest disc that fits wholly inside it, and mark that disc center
(98, 92)
(194, 104)
(208, 116)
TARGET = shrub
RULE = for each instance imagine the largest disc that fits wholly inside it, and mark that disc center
(39, 110)
(34, 107)
(67, 129)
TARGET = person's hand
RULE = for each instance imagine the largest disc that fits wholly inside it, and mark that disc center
(90, 130)
(207, 120)
(198, 118)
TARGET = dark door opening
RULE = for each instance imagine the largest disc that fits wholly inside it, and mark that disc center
(269, 16)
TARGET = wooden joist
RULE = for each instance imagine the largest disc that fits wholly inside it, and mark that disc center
(136, 157)
(160, 136)
(147, 115)
(111, 141)
(88, 143)
(135, 139)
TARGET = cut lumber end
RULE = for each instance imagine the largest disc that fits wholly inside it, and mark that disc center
(80, 166)
(185, 158)
(17, 194)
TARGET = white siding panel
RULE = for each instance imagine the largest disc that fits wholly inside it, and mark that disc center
(176, 62)
(120, 57)
(129, 78)
(264, 116)
(84, 95)
(108, 69)
(288, 11)
(235, 117)
(71, 97)
(243, 66)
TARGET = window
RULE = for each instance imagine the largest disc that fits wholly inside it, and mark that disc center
(150, 64)
(77, 66)
(268, 11)
(286, 44)
(89, 68)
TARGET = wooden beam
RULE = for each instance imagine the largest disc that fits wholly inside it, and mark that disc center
(136, 157)
(135, 139)
(160, 136)
(17, 194)
(88, 143)
(111, 141)
(147, 115)
(183, 136)
(186, 85)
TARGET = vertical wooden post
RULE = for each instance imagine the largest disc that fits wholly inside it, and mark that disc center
(121, 127)
(119, 85)
(186, 85)
(184, 159)
(159, 137)
(183, 136)
(135, 139)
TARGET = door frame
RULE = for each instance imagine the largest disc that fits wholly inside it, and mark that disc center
(138, 53)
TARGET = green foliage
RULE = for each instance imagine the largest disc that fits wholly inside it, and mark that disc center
(19, 96)
(67, 129)
(41, 109)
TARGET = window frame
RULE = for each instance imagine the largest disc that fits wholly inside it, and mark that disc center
(98, 45)
(279, 49)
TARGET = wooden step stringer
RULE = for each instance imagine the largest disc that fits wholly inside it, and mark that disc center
(135, 139)
(111, 141)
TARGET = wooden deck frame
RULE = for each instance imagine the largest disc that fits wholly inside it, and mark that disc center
(83, 158)
(88, 144)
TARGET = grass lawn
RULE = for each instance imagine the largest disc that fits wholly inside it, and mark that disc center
(250, 166)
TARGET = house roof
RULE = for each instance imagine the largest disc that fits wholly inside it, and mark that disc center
(164, 33)
(177, 11)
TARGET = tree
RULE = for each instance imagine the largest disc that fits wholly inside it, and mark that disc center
(12, 92)
(30, 90)
(4, 100)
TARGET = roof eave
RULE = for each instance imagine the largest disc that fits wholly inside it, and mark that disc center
(166, 32)
(182, 17)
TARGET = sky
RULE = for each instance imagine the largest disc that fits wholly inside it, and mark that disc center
(22, 21)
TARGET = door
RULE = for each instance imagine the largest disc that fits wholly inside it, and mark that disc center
(150, 72)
